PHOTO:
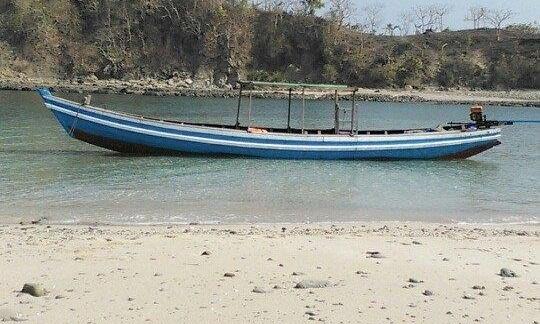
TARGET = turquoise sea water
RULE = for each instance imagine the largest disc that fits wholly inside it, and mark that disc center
(44, 173)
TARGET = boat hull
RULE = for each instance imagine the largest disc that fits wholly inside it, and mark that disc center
(136, 135)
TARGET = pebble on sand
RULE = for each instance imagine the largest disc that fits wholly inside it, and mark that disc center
(308, 284)
(374, 254)
(258, 290)
(505, 272)
(413, 280)
(34, 289)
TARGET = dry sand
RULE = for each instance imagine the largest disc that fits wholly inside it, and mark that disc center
(156, 274)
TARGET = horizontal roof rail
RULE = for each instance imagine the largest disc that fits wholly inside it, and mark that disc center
(293, 85)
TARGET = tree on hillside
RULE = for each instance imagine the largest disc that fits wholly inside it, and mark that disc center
(497, 18)
(424, 18)
(430, 17)
(391, 28)
(440, 11)
(476, 15)
(271, 5)
(406, 20)
(372, 16)
(341, 12)
(308, 7)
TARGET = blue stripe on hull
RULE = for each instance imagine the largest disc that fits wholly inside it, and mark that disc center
(169, 144)
(230, 137)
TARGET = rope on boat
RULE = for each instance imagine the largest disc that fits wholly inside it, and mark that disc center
(72, 129)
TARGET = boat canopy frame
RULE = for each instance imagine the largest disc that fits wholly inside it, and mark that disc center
(336, 88)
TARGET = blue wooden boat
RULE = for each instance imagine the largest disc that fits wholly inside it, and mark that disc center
(133, 134)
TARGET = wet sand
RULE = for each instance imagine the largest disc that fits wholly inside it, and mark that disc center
(422, 273)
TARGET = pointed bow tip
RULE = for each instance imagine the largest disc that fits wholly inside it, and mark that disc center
(44, 92)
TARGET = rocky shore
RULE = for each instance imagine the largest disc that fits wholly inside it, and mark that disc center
(377, 272)
(185, 86)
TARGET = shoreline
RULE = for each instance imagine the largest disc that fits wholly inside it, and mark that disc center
(45, 221)
(406, 228)
(172, 87)
(364, 272)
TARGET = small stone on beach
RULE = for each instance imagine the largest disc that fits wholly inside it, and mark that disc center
(507, 273)
(308, 284)
(375, 255)
(413, 280)
(34, 289)
(258, 290)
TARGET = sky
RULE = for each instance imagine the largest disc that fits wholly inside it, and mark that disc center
(525, 10)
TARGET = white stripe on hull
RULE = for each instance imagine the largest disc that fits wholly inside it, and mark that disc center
(448, 139)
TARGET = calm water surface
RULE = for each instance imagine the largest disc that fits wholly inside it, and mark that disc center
(44, 173)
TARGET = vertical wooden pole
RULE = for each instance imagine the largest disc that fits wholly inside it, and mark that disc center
(336, 112)
(289, 112)
(353, 112)
(249, 110)
(303, 108)
(237, 124)
(356, 123)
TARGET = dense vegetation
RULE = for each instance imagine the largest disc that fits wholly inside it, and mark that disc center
(222, 40)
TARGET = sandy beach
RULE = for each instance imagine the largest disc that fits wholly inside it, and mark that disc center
(392, 272)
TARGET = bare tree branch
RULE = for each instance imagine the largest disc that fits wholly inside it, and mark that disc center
(372, 16)
(476, 15)
(406, 20)
(341, 12)
(497, 17)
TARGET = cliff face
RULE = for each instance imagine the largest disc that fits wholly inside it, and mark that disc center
(217, 41)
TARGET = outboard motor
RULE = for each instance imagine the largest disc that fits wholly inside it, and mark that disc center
(480, 120)
(477, 114)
